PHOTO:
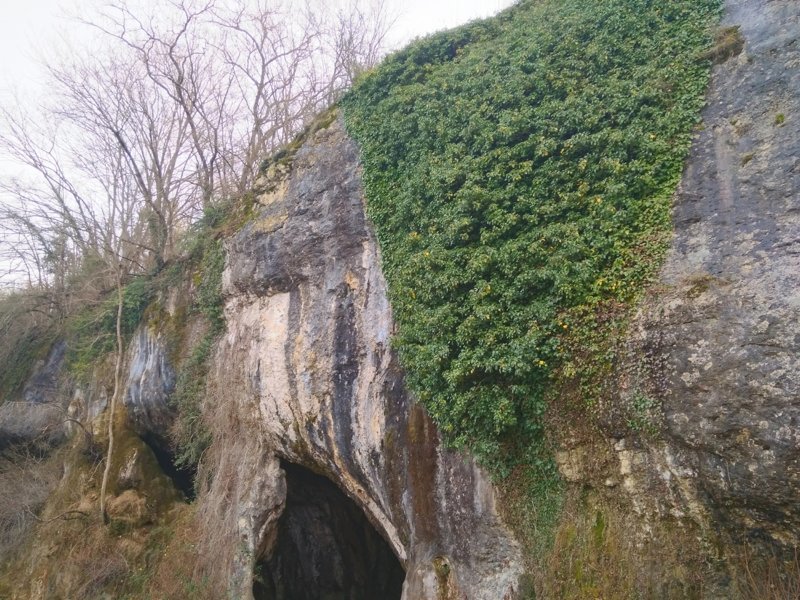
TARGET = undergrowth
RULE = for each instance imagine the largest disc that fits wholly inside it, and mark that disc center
(28, 328)
(598, 552)
(132, 557)
(519, 173)
(148, 554)
(91, 332)
(766, 576)
(190, 435)
(22, 353)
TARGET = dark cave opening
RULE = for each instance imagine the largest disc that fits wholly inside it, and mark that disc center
(182, 477)
(326, 548)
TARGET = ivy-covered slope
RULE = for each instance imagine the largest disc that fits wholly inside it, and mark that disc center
(519, 173)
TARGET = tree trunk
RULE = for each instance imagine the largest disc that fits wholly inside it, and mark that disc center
(114, 396)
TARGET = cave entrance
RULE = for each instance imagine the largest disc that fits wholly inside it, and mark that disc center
(326, 548)
(181, 476)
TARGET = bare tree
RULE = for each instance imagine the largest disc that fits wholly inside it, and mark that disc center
(355, 38)
(137, 133)
(57, 213)
(174, 115)
(246, 78)
(114, 396)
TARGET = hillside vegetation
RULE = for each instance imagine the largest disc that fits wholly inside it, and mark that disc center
(519, 173)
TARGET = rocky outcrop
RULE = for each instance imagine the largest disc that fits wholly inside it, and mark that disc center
(42, 386)
(38, 416)
(308, 367)
(304, 383)
(150, 381)
(23, 423)
(720, 343)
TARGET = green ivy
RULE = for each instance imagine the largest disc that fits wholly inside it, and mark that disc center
(191, 436)
(519, 173)
(209, 301)
(91, 333)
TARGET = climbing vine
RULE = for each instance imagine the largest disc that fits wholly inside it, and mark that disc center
(519, 173)
(190, 434)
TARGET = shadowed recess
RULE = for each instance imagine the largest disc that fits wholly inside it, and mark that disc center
(181, 476)
(326, 548)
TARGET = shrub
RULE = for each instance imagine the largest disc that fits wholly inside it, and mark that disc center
(728, 42)
(26, 481)
(770, 575)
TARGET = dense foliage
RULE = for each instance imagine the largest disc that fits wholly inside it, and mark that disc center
(190, 435)
(91, 333)
(519, 174)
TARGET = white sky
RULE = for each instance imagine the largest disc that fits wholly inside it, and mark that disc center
(28, 27)
(418, 17)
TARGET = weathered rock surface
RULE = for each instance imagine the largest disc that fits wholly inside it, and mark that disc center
(150, 381)
(309, 378)
(30, 423)
(42, 386)
(725, 331)
(38, 416)
(306, 362)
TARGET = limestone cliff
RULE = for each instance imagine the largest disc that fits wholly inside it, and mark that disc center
(307, 363)
(717, 344)
(728, 324)
(307, 404)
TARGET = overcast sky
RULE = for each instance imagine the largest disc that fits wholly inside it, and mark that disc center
(29, 26)
(419, 17)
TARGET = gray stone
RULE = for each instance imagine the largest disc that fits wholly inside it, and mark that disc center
(31, 423)
(726, 329)
(149, 384)
(42, 386)
(39, 416)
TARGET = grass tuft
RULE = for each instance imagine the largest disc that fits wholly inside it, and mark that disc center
(728, 42)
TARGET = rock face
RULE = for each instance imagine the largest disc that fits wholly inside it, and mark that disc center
(38, 417)
(307, 365)
(327, 472)
(43, 384)
(726, 328)
(150, 381)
